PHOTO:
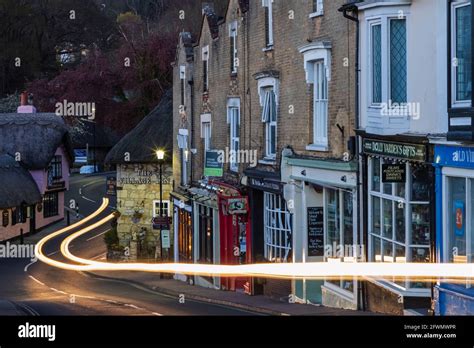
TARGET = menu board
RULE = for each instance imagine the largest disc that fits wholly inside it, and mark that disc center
(315, 231)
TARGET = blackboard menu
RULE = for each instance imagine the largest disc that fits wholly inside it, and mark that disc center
(316, 231)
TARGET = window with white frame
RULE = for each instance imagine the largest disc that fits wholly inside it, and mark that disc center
(400, 218)
(318, 8)
(269, 118)
(234, 61)
(459, 223)
(182, 76)
(205, 68)
(268, 7)
(340, 233)
(233, 117)
(206, 130)
(317, 64)
(165, 208)
(388, 60)
(461, 53)
(278, 227)
(184, 153)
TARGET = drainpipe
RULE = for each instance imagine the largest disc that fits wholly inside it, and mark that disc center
(191, 84)
(345, 9)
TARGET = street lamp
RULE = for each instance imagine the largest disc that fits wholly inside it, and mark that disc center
(160, 155)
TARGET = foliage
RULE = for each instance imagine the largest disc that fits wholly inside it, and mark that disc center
(9, 103)
(111, 239)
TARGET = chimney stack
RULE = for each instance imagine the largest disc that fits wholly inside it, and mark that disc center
(206, 6)
(25, 107)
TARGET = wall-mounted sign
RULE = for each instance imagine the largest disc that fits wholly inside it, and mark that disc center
(141, 174)
(315, 231)
(165, 239)
(459, 218)
(266, 185)
(111, 186)
(412, 152)
(161, 222)
(394, 173)
(454, 156)
(213, 166)
(237, 205)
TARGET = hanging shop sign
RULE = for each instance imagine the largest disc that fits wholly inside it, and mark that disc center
(111, 186)
(394, 173)
(455, 156)
(213, 166)
(315, 231)
(411, 152)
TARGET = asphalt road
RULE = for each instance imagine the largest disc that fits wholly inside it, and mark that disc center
(39, 289)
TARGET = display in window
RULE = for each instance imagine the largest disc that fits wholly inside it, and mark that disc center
(420, 220)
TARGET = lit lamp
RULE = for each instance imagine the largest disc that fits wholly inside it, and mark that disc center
(160, 155)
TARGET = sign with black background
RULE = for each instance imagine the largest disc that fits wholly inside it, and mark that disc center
(394, 173)
(316, 231)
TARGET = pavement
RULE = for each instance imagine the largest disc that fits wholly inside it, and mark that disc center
(258, 303)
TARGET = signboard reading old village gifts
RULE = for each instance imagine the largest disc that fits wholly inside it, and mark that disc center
(413, 152)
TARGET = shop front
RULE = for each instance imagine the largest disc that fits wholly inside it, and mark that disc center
(322, 196)
(399, 191)
(455, 225)
(271, 228)
(183, 230)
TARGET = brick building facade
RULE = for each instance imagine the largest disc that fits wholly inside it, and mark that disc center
(273, 83)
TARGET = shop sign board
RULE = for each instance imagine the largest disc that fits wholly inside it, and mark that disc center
(165, 239)
(315, 231)
(454, 156)
(237, 205)
(411, 152)
(266, 185)
(394, 173)
(213, 166)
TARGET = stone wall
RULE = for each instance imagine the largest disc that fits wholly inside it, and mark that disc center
(137, 187)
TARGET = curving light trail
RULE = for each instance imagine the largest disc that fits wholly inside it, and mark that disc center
(416, 271)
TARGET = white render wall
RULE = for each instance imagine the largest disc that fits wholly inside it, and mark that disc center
(426, 67)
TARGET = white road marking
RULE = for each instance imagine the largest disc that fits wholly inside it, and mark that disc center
(100, 234)
(100, 257)
(111, 301)
(53, 253)
(28, 265)
(36, 280)
(132, 306)
(59, 291)
(88, 199)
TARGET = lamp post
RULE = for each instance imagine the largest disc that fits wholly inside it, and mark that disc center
(160, 154)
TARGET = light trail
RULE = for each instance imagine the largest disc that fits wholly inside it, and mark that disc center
(453, 272)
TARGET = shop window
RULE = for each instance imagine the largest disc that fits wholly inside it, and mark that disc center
(206, 234)
(340, 233)
(185, 236)
(400, 218)
(165, 208)
(50, 204)
(277, 228)
(461, 52)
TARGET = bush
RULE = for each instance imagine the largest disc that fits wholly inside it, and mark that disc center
(111, 239)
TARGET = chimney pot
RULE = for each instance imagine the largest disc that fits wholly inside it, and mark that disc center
(25, 107)
(24, 99)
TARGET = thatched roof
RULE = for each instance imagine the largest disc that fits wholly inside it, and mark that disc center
(17, 184)
(35, 137)
(154, 132)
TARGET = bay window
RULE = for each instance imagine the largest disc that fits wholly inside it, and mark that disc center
(376, 62)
